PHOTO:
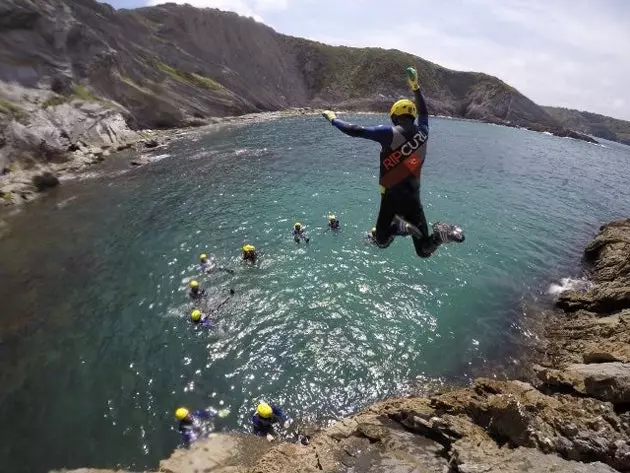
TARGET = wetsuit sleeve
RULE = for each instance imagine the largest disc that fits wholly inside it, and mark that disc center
(381, 133)
(204, 414)
(258, 428)
(279, 413)
(423, 112)
(188, 437)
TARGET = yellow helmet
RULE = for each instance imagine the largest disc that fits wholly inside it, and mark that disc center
(193, 284)
(248, 248)
(298, 225)
(264, 410)
(203, 257)
(373, 230)
(195, 315)
(403, 107)
(332, 217)
(181, 413)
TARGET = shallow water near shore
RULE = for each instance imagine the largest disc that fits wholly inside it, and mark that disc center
(95, 350)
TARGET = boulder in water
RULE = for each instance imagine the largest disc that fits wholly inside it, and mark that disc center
(45, 181)
(151, 144)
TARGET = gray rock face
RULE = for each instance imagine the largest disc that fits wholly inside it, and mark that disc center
(605, 381)
(609, 255)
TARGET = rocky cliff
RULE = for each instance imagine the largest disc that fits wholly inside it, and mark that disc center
(78, 79)
(592, 124)
(572, 417)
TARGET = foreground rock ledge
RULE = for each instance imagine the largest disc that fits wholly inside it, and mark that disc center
(573, 419)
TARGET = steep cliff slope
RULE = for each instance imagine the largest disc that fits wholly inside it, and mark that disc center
(170, 62)
(592, 124)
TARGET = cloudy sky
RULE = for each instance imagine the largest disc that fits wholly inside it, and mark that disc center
(570, 53)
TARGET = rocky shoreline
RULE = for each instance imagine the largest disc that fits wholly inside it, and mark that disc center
(50, 154)
(571, 416)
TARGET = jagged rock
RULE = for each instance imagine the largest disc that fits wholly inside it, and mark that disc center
(603, 298)
(61, 84)
(609, 255)
(218, 451)
(586, 337)
(45, 181)
(605, 381)
(343, 429)
(506, 460)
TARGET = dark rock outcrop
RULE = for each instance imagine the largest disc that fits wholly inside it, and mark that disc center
(609, 257)
(45, 181)
(594, 124)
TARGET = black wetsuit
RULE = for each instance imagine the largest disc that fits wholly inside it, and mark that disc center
(403, 150)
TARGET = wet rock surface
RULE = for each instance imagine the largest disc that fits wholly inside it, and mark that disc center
(609, 258)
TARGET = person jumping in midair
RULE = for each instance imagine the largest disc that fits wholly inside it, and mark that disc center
(404, 147)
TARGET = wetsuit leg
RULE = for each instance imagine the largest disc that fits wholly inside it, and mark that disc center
(384, 229)
(414, 214)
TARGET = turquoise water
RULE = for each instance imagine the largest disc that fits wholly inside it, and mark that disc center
(96, 353)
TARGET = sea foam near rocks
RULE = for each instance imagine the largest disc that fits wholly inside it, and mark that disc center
(569, 284)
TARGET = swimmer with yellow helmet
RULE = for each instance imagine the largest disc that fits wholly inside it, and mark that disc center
(333, 223)
(266, 416)
(403, 150)
(195, 292)
(191, 423)
(198, 318)
(249, 253)
(207, 265)
(204, 263)
(299, 233)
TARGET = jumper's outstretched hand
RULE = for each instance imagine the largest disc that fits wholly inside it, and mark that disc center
(329, 115)
(412, 78)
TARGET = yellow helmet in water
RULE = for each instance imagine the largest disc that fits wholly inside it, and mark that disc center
(248, 248)
(195, 315)
(203, 257)
(403, 107)
(373, 230)
(264, 410)
(332, 217)
(298, 225)
(181, 413)
(193, 284)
